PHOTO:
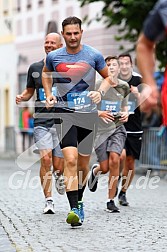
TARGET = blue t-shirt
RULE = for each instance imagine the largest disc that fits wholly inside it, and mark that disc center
(155, 25)
(75, 73)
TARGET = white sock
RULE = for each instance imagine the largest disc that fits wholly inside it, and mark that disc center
(49, 198)
(109, 200)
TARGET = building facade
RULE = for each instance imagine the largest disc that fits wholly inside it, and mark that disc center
(8, 69)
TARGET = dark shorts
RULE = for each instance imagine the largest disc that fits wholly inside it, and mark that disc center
(133, 145)
(78, 130)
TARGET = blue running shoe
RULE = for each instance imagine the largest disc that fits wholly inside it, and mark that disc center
(81, 210)
(73, 217)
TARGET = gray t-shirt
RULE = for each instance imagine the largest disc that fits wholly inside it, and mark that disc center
(115, 99)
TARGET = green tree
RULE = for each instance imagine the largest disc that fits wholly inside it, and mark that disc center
(129, 16)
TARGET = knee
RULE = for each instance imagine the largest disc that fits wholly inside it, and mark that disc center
(47, 161)
(58, 164)
(71, 162)
(123, 156)
(104, 169)
(130, 163)
(114, 163)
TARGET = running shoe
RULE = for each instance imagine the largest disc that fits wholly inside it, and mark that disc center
(59, 183)
(81, 210)
(73, 217)
(111, 207)
(49, 207)
(123, 200)
(93, 180)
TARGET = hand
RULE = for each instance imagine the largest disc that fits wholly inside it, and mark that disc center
(19, 98)
(135, 91)
(106, 116)
(148, 98)
(50, 101)
(124, 117)
(95, 96)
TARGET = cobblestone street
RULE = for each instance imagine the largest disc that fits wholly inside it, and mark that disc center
(140, 227)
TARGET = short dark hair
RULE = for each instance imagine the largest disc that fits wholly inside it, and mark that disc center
(125, 55)
(71, 20)
(110, 58)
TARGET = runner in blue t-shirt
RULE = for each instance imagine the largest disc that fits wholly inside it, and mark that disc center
(75, 67)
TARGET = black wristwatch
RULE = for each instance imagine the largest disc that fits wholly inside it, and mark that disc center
(101, 92)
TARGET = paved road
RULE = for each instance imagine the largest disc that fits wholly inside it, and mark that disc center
(140, 227)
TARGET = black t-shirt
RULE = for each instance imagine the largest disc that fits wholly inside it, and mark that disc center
(155, 25)
(34, 80)
(134, 123)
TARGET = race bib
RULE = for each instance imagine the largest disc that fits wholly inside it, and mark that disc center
(42, 95)
(79, 101)
(131, 107)
(113, 106)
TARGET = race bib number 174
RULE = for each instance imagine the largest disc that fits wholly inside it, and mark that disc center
(78, 100)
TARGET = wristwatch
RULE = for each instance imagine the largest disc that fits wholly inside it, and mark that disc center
(101, 92)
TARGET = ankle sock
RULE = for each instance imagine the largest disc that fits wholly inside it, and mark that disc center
(49, 198)
(110, 200)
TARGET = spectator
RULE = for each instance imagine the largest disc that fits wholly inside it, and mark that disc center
(24, 125)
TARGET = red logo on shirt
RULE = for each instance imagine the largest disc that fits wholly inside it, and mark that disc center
(75, 71)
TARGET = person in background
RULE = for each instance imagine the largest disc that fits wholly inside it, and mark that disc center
(133, 128)
(45, 134)
(24, 117)
(31, 131)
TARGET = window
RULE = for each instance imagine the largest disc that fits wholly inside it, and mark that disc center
(18, 5)
(22, 60)
(7, 102)
(29, 4)
(54, 1)
(40, 3)
(5, 7)
(51, 27)
(29, 25)
(19, 28)
(22, 81)
(41, 23)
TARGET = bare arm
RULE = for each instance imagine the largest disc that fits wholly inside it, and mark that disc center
(146, 59)
(145, 53)
(25, 95)
(107, 80)
(47, 81)
(104, 87)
